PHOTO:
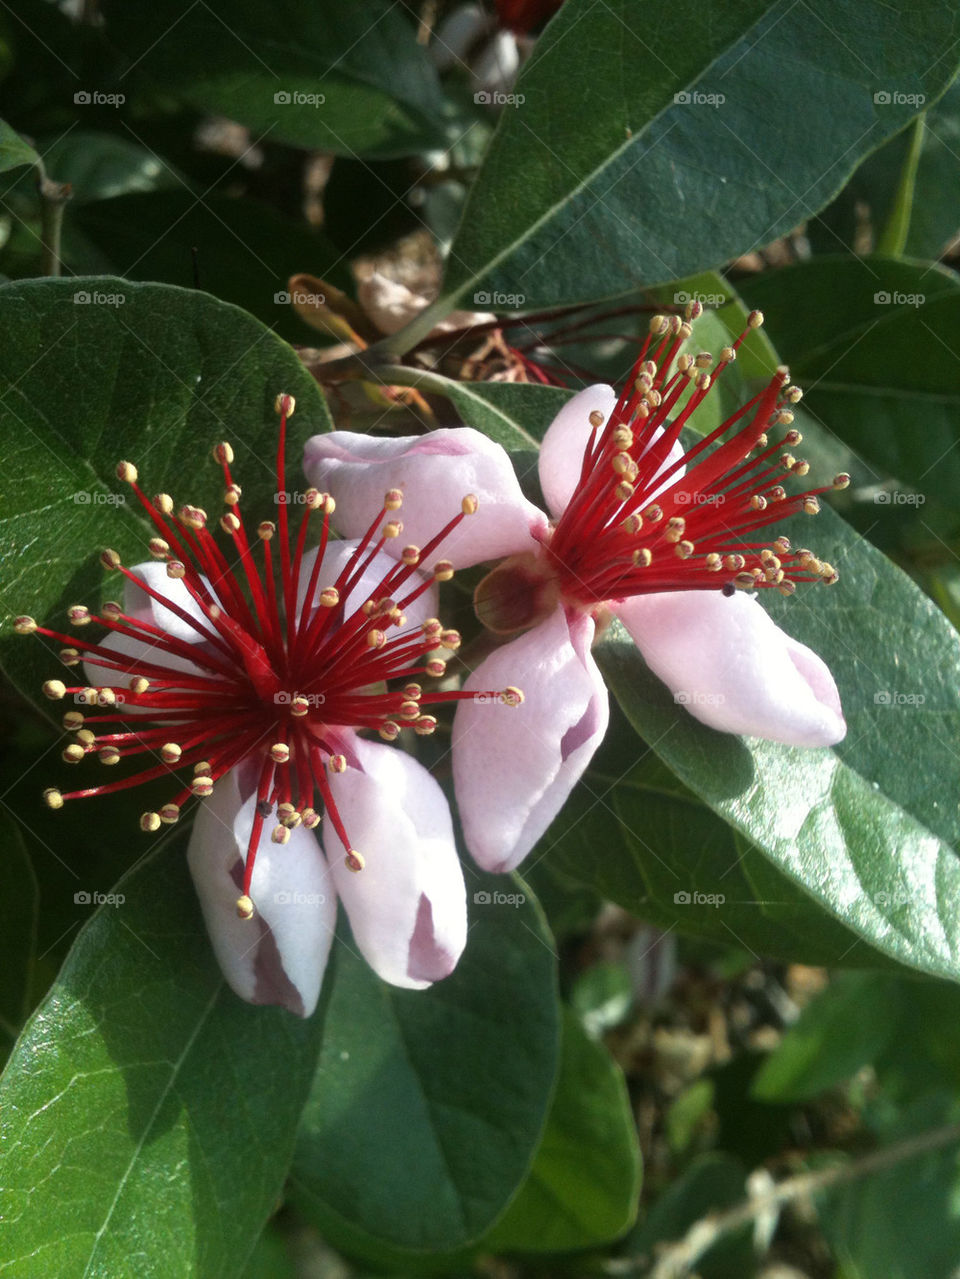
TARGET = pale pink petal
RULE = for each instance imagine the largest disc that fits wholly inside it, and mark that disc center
(514, 767)
(278, 956)
(561, 454)
(435, 471)
(408, 906)
(733, 668)
(142, 607)
(335, 559)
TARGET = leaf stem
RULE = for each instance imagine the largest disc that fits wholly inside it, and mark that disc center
(678, 1259)
(53, 199)
(893, 239)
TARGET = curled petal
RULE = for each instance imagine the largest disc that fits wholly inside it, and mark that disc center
(514, 767)
(435, 472)
(561, 454)
(335, 559)
(408, 906)
(733, 668)
(278, 956)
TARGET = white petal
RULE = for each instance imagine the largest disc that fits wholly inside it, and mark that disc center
(435, 471)
(144, 608)
(733, 668)
(496, 65)
(514, 767)
(337, 556)
(408, 906)
(457, 34)
(279, 955)
(561, 454)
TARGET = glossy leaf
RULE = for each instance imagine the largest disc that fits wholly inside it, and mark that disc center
(428, 1106)
(874, 341)
(866, 838)
(18, 931)
(691, 151)
(14, 151)
(351, 79)
(175, 372)
(139, 1089)
(583, 1187)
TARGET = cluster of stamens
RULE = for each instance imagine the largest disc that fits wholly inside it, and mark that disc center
(277, 673)
(637, 524)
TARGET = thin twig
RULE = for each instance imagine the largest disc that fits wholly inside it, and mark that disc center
(678, 1259)
(53, 198)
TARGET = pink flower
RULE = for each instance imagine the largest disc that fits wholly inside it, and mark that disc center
(258, 678)
(668, 541)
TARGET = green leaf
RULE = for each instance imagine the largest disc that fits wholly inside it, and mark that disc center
(146, 1110)
(428, 1106)
(350, 79)
(102, 166)
(245, 252)
(902, 1222)
(874, 340)
(583, 1187)
(18, 930)
(175, 372)
(711, 1183)
(845, 1027)
(659, 178)
(865, 837)
(14, 152)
